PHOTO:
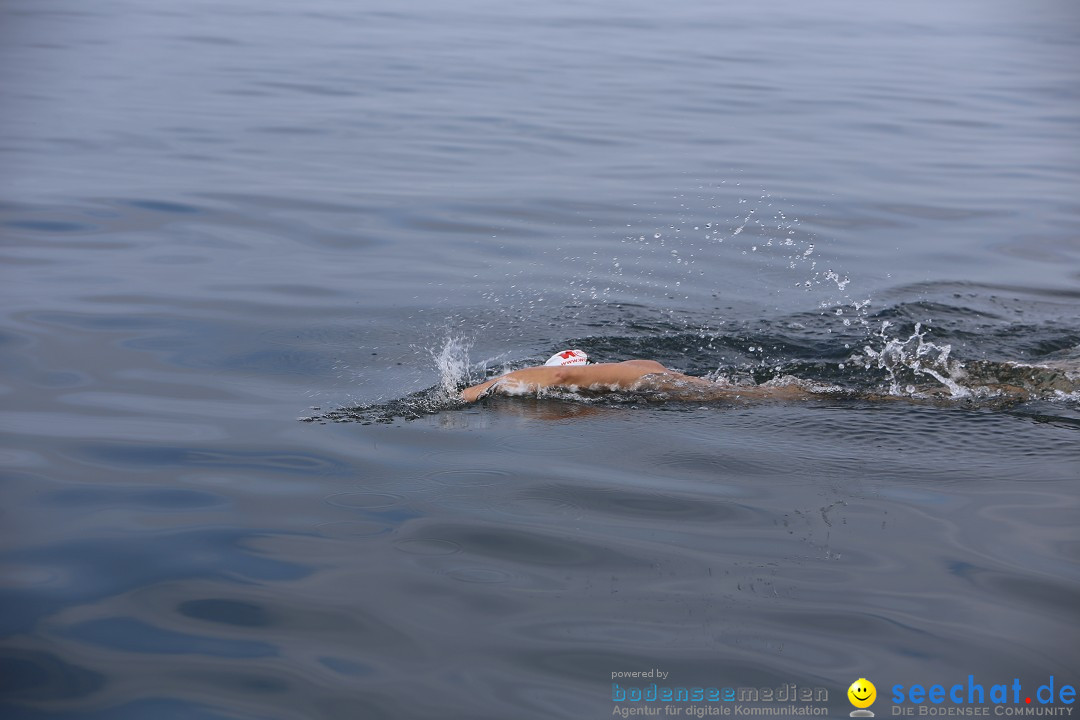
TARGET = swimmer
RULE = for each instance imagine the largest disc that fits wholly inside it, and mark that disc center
(572, 370)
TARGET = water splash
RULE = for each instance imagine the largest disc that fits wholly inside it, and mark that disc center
(908, 361)
(452, 363)
(910, 358)
(913, 366)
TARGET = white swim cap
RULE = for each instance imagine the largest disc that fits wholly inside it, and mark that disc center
(568, 357)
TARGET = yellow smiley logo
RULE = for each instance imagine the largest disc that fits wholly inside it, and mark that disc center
(862, 693)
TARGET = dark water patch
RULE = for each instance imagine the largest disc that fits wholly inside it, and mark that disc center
(1049, 413)
(246, 683)
(447, 224)
(214, 40)
(277, 362)
(143, 301)
(412, 406)
(1051, 596)
(646, 506)
(431, 546)
(346, 667)
(61, 379)
(924, 311)
(317, 89)
(538, 212)
(96, 568)
(1038, 298)
(199, 345)
(296, 290)
(471, 478)
(529, 547)
(11, 261)
(160, 708)
(853, 628)
(480, 575)
(87, 321)
(163, 206)
(228, 612)
(976, 436)
(712, 468)
(39, 676)
(364, 500)
(133, 636)
(287, 130)
(297, 203)
(50, 226)
(143, 457)
(1047, 249)
(79, 245)
(160, 499)
(13, 339)
(932, 212)
(177, 260)
(344, 529)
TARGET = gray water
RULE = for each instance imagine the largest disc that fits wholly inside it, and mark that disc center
(218, 219)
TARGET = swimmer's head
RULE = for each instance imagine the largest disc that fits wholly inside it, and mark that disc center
(568, 357)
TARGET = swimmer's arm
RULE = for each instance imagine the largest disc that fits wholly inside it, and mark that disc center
(530, 379)
(472, 394)
(623, 375)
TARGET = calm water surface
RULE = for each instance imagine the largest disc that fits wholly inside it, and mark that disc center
(217, 218)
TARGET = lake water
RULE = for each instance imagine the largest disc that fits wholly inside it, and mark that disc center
(220, 219)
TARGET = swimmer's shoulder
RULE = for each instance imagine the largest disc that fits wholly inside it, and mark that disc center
(648, 365)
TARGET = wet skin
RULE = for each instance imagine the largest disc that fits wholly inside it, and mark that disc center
(628, 375)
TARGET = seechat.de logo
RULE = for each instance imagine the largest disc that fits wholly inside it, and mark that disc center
(862, 694)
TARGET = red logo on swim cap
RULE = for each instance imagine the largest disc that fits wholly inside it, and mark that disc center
(568, 357)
